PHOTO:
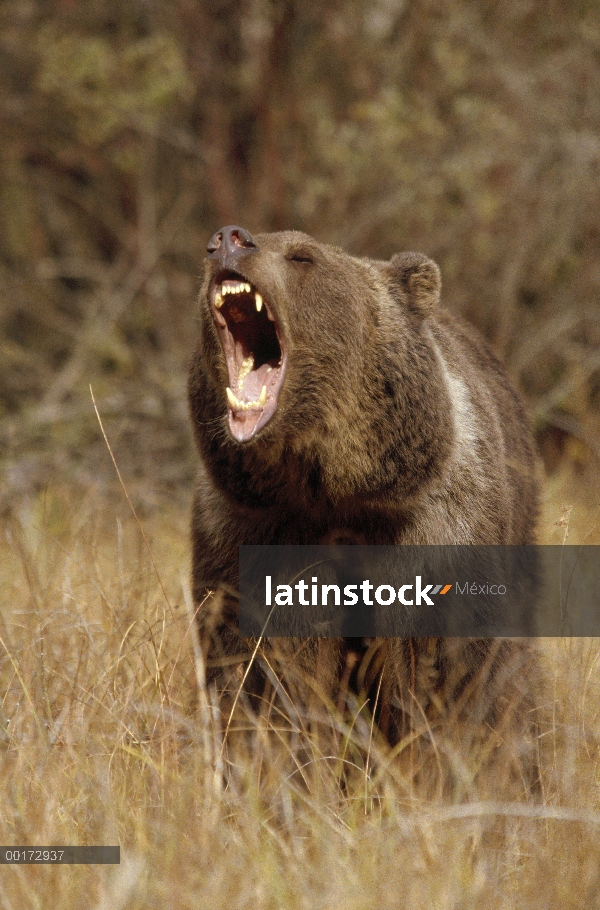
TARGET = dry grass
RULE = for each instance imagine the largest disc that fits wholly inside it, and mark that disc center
(108, 736)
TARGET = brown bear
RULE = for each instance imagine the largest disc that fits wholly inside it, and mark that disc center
(334, 400)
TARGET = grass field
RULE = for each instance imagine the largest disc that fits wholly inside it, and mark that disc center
(108, 736)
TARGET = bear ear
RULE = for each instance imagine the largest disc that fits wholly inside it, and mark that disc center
(418, 279)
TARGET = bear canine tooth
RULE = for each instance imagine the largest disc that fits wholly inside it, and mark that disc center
(235, 403)
(258, 301)
(262, 398)
(218, 300)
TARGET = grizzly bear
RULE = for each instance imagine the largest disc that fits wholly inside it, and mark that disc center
(333, 400)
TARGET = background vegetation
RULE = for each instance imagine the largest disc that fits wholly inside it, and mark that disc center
(129, 132)
(108, 735)
(469, 130)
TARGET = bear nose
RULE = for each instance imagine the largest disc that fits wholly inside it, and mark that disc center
(228, 244)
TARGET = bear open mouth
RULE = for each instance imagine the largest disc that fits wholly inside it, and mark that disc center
(254, 353)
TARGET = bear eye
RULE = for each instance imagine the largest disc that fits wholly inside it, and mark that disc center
(300, 256)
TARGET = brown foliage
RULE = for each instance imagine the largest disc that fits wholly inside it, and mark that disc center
(130, 132)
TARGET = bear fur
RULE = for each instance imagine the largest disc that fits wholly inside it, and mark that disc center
(384, 420)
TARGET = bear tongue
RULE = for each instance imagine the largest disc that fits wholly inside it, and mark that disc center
(251, 387)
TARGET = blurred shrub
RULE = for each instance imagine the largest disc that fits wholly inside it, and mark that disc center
(102, 86)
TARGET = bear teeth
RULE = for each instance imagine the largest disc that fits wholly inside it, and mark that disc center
(237, 287)
(245, 370)
(237, 405)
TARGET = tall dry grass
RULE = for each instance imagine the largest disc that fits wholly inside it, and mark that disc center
(108, 736)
